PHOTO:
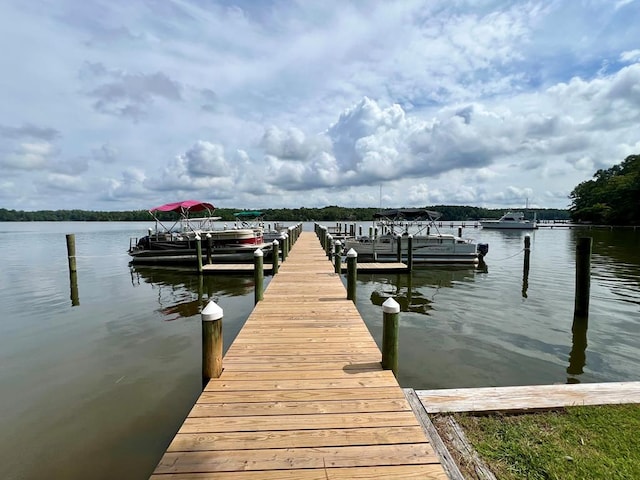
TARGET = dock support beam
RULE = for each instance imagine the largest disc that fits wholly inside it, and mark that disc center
(258, 275)
(352, 274)
(390, 312)
(211, 342)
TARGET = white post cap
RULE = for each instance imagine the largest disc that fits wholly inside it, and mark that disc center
(338, 242)
(352, 253)
(208, 235)
(197, 237)
(390, 306)
(211, 312)
(258, 253)
(275, 242)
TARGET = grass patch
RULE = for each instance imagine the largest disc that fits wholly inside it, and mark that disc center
(587, 442)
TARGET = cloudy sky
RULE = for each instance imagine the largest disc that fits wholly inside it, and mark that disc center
(124, 105)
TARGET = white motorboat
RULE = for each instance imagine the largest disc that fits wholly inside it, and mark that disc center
(177, 244)
(427, 247)
(511, 220)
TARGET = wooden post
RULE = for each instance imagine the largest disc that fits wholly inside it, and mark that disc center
(71, 252)
(360, 230)
(73, 272)
(525, 269)
(460, 231)
(410, 252)
(199, 253)
(285, 242)
(209, 248)
(258, 275)
(390, 309)
(399, 248)
(211, 342)
(337, 257)
(276, 256)
(329, 246)
(352, 274)
(583, 276)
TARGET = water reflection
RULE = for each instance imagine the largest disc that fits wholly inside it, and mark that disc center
(181, 293)
(578, 356)
(415, 291)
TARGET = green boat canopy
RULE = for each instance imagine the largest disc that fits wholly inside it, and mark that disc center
(248, 214)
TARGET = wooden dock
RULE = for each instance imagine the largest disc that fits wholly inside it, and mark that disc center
(302, 394)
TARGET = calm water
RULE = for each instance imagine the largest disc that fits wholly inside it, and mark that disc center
(97, 385)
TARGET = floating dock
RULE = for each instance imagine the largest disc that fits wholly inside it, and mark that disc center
(302, 394)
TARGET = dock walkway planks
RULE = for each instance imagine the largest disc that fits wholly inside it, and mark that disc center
(302, 394)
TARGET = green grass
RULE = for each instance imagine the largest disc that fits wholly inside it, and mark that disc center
(591, 442)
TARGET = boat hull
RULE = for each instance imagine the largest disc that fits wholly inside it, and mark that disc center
(425, 250)
(228, 246)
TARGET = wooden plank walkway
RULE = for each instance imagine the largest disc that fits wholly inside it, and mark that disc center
(531, 397)
(218, 268)
(302, 394)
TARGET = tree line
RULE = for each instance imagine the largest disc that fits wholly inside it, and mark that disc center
(612, 197)
(324, 214)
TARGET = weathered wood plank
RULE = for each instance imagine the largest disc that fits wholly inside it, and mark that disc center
(237, 409)
(331, 437)
(395, 472)
(248, 396)
(256, 423)
(528, 397)
(277, 459)
(448, 463)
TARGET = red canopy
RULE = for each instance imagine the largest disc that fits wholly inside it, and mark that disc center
(186, 205)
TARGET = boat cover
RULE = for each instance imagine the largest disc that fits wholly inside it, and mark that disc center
(248, 214)
(184, 206)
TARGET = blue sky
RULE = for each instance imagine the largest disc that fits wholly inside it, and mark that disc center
(121, 105)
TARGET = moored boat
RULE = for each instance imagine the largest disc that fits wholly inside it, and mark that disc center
(177, 244)
(427, 247)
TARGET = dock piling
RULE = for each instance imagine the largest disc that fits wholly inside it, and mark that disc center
(211, 316)
(352, 274)
(73, 272)
(209, 248)
(337, 257)
(258, 275)
(390, 312)
(410, 252)
(71, 251)
(525, 268)
(276, 256)
(199, 253)
(583, 276)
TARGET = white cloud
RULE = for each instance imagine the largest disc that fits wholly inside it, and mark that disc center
(292, 104)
